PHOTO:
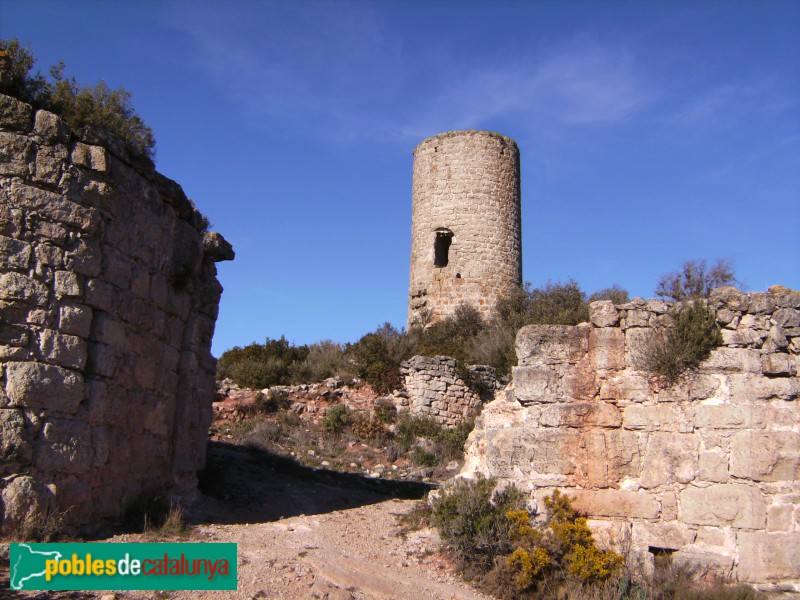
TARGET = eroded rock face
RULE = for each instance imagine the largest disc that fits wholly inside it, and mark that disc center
(708, 468)
(108, 301)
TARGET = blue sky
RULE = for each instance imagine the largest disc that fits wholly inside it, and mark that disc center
(650, 132)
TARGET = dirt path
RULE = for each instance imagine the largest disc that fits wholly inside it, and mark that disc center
(306, 533)
(358, 553)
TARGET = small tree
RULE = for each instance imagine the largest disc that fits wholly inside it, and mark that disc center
(695, 280)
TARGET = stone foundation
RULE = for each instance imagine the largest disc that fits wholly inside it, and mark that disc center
(707, 469)
(108, 301)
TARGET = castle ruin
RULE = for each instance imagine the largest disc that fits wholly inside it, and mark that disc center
(465, 231)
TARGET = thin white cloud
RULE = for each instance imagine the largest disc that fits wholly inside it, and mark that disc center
(335, 70)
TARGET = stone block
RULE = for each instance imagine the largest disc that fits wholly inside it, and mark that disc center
(511, 452)
(16, 440)
(768, 556)
(15, 115)
(579, 382)
(24, 498)
(779, 517)
(55, 207)
(786, 317)
(713, 466)
(748, 388)
(75, 319)
(102, 295)
(669, 458)
(102, 360)
(766, 455)
(15, 254)
(65, 447)
(724, 416)
(615, 503)
(67, 284)
(602, 313)
(636, 318)
(91, 157)
(37, 385)
(724, 505)
(727, 296)
(626, 388)
(732, 360)
(50, 128)
(662, 535)
(49, 164)
(18, 153)
(84, 259)
(61, 349)
(637, 340)
(20, 288)
(611, 456)
(581, 414)
(535, 384)
(607, 348)
(551, 344)
(658, 417)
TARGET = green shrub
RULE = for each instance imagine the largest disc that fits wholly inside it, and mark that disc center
(94, 107)
(377, 357)
(424, 458)
(385, 411)
(673, 351)
(494, 539)
(472, 521)
(324, 359)
(260, 366)
(336, 419)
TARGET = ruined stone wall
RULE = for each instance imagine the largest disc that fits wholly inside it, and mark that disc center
(108, 301)
(466, 194)
(434, 388)
(708, 468)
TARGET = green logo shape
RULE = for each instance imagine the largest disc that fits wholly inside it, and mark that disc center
(123, 566)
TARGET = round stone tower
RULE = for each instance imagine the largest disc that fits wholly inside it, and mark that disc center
(465, 225)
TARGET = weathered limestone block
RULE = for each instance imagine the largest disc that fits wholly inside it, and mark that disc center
(672, 535)
(91, 157)
(732, 360)
(16, 441)
(637, 340)
(37, 385)
(581, 414)
(24, 499)
(612, 456)
(626, 388)
(551, 344)
(536, 384)
(20, 288)
(607, 348)
(17, 153)
(768, 556)
(62, 349)
(67, 447)
(50, 127)
(15, 115)
(616, 503)
(534, 453)
(766, 455)
(603, 313)
(724, 505)
(658, 417)
(669, 458)
(75, 319)
(713, 466)
(15, 253)
(748, 388)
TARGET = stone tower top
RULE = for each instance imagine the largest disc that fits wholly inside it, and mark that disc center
(465, 233)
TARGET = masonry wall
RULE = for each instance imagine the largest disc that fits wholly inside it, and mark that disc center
(466, 190)
(108, 301)
(708, 469)
(435, 388)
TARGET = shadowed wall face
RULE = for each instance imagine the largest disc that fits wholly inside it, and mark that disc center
(108, 302)
(465, 233)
